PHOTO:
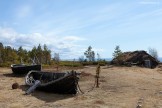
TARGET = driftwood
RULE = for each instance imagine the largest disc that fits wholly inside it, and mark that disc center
(32, 88)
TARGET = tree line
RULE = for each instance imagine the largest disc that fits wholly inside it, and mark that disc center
(38, 55)
(42, 55)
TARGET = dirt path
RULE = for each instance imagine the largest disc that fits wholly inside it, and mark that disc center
(120, 87)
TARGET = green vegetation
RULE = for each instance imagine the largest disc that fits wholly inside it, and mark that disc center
(42, 55)
(10, 55)
(117, 53)
(70, 63)
(90, 55)
(101, 63)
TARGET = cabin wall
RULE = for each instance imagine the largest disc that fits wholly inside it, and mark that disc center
(148, 64)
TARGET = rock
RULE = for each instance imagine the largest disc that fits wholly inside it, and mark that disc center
(15, 86)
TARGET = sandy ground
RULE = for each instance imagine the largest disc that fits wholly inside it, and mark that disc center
(120, 87)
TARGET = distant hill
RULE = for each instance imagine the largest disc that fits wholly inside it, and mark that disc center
(107, 59)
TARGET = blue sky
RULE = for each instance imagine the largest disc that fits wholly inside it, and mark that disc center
(68, 27)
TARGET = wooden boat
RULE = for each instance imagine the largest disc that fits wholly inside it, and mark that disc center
(56, 82)
(24, 69)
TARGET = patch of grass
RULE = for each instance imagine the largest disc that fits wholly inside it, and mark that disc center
(101, 63)
(70, 64)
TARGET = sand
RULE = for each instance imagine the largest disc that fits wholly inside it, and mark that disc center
(120, 87)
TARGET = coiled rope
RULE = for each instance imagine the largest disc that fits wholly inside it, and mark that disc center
(96, 84)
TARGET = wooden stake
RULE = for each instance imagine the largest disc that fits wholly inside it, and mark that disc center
(97, 75)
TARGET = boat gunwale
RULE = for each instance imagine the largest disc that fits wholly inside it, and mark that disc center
(22, 65)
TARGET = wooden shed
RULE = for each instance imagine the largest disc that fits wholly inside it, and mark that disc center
(140, 58)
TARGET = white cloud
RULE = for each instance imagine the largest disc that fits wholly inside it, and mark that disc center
(72, 38)
(7, 34)
(149, 2)
(66, 46)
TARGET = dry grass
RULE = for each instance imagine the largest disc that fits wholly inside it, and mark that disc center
(120, 87)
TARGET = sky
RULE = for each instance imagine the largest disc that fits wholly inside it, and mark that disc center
(68, 27)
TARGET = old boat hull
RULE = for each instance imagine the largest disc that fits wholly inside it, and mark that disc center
(55, 82)
(24, 69)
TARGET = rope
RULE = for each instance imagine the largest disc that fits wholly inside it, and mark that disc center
(93, 85)
(96, 80)
(79, 88)
(77, 84)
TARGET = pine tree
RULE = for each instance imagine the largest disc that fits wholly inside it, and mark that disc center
(90, 55)
(117, 52)
(46, 55)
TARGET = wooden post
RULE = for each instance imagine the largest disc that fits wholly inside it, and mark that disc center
(97, 75)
